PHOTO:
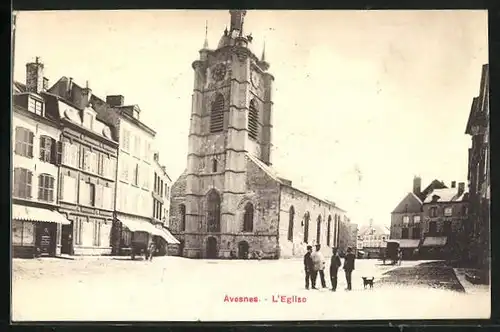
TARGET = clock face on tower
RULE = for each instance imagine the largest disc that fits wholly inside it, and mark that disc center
(255, 79)
(219, 72)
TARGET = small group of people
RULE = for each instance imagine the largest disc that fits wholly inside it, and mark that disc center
(314, 264)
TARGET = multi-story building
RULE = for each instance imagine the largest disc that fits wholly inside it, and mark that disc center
(230, 200)
(161, 205)
(161, 193)
(479, 175)
(407, 217)
(445, 214)
(87, 171)
(36, 224)
(373, 239)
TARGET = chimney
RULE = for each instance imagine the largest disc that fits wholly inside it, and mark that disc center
(453, 184)
(115, 100)
(156, 156)
(45, 84)
(34, 76)
(461, 188)
(86, 94)
(69, 87)
(417, 185)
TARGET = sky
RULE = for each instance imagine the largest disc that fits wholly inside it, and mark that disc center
(363, 100)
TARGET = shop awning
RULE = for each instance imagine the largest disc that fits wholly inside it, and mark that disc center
(137, 225)
(435, 241)
(409, 243)
(30, 213)
(166, 235)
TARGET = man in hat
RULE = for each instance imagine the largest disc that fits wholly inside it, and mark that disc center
(309, 268)
(335, 264)
(319, 265)
(349, 267)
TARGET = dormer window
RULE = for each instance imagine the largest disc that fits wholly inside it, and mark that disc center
(88, 120)
(35, 106)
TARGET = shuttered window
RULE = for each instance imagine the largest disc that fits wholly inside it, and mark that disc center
(253, 121)
(217, 114)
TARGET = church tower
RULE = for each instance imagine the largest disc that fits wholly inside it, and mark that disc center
(231, 117)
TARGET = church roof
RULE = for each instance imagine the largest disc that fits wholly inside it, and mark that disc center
(273, 174)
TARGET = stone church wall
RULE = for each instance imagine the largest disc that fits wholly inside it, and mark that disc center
(303, 203)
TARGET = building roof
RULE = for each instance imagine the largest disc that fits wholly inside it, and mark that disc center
(435, 184)
(410, 203)
(446, 195)
(18, 87)
(69, 112)
(273, 174)
(435, 241)
(373, 230)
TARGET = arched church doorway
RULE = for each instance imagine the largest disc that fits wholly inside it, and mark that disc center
(211, 247)
(243, 249)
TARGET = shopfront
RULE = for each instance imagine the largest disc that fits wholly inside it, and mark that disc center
(137, 235)
(35, 231)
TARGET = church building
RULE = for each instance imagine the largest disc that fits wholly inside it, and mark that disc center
(229, 201)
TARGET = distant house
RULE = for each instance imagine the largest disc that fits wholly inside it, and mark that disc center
(445, 214)
(372, 239)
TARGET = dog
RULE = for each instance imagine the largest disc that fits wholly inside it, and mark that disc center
(368, 282)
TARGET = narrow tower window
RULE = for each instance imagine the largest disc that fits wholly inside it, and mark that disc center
(217, 114)
(214, 165)
(253, 121)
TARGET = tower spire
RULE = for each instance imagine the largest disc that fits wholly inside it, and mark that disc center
(263, 57)
(205, 44)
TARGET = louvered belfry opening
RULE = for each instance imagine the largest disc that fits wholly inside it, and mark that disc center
(217, 114)
(253, 121)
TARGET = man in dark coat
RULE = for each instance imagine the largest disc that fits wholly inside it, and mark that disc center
(335, 264)
(349, 267)
(309, 269)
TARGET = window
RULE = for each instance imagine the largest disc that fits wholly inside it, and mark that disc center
(124, 174)
(68, 189)
(24, 142)
(182, 211)
(46, 187)
(306, 227)
(433, 212)
(46, 145)
(328, 231)
(88, 120)
(213, 209)
(447, 227)
(71, 154)
(92, 193)
(137, 146)
(217, 114)
(97, 233)
(406, 220)
(147, 151)
(35, 106)
(22, 183)
(416, 219)
(404, 233)
(253, 121)
(248, 218)
(214, 165)
(432, 228)
(161, 188)
(126, 140)
(416, 232)
(291, 216)
(166, 191)
(318, 230)
(135, 176)
(448, 211)
(155, 184)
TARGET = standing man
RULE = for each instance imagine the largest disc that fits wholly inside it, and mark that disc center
(319, 265)
(309, 268)
(335, 264)
(349, 267)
